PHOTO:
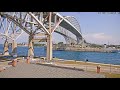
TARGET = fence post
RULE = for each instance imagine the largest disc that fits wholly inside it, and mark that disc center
(86, 64)
(98, 69)
(110, 68)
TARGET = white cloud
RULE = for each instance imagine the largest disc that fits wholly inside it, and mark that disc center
(99, 38)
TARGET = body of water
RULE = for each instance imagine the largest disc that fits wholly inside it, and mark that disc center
(98, 57)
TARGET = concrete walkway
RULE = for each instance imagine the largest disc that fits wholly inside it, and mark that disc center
(23, 70)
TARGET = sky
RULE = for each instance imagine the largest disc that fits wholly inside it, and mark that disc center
(96, 28)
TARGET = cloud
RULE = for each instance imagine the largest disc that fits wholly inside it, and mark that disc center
(99, 38)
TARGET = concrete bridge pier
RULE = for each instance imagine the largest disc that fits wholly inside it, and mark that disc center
(6, 48)
(83, 43)
(14, 47)
(49, 40)
(67, 40)
(49, 48)
(30, 46)
(79, 40)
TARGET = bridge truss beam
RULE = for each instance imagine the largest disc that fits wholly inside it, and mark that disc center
(47, 22)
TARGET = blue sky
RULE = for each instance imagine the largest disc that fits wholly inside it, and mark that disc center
(96, 28)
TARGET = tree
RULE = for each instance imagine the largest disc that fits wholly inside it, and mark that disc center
(60, 43)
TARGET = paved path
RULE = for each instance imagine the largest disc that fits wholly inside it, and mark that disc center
(23, 70)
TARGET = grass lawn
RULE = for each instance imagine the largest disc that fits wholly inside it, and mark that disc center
(108, 75)
(85, 63)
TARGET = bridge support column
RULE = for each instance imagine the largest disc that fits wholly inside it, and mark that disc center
(49, 48)
(68, 40)
(83, 43)
(49, 40)
(14, 47)
(30, 46)
(79, 40)
(6, 48)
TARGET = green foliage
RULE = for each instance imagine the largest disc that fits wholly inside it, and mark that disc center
(39, 44)
(60, 43)
(96, 46)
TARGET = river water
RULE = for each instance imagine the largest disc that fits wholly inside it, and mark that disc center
(98, 57)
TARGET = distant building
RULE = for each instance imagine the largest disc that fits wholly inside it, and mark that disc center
(105, 45)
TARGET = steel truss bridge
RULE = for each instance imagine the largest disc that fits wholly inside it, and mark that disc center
(39, 26)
